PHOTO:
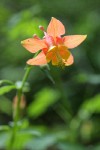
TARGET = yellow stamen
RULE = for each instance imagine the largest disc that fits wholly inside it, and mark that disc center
(57, 54)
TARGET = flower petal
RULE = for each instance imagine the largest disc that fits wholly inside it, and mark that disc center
(33, 44)
(55, 60)
(40, 59)
(64, 52)
(51, 53)
(69, 61)
(73, 41)
(49, 56)
(55, 28)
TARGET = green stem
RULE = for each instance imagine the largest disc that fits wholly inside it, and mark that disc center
(17, 113)
(26, 76)
(19, 94)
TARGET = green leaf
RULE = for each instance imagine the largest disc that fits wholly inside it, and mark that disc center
(97, 147)
(42, 143)
(5, 105)
(43, 99)
(29, 132)
(90, 106)
(67, 146)
(6, 81)
(20, 140)
(3, 139)
(6, 89)
(4, 128)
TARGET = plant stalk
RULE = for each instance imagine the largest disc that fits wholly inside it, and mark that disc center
(17, 114)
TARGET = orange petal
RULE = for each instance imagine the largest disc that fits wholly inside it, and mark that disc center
(55, 28)
(40, 59)
(69, 61)
(64, 53)
(73, 41)
(49, 56)
(33, 44)
(55, 60)
(51, 53)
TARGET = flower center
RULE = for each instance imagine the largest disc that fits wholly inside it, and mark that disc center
(57, 55)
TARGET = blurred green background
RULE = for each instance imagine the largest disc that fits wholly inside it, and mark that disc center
(64, 115)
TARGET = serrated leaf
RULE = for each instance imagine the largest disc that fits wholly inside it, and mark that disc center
(6, 89)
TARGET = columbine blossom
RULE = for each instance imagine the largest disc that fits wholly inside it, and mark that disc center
(54, 48)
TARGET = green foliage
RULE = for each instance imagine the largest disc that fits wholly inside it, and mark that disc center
(43, 99)
(42, 143)
(3, 139)
(65, 146)
(5, 82)
(5, 105)
(20, 140)
(19, 28)
(66, 113)
(4, 128)
(90, 106)
(6, 89)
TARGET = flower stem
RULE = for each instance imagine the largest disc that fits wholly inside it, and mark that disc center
(17, 114)
(28, 69)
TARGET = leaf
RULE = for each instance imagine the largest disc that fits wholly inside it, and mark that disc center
(5, 81)
(88, 78)
(90, 106)
(20, 140)
(67, 146)
(42, 143)
(3, 139)
(49, 141)
(97, 147)
(4, 128)
(6, 89)
(43, 99)
(5, 105)
(29, 132)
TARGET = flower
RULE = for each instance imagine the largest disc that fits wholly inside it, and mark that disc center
(54, 48)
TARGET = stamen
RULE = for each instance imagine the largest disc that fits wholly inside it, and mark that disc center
(42, 28)
(59, 58)
(35, 36)
(60, 61)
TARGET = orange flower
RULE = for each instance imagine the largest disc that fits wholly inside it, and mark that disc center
(54, 48)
